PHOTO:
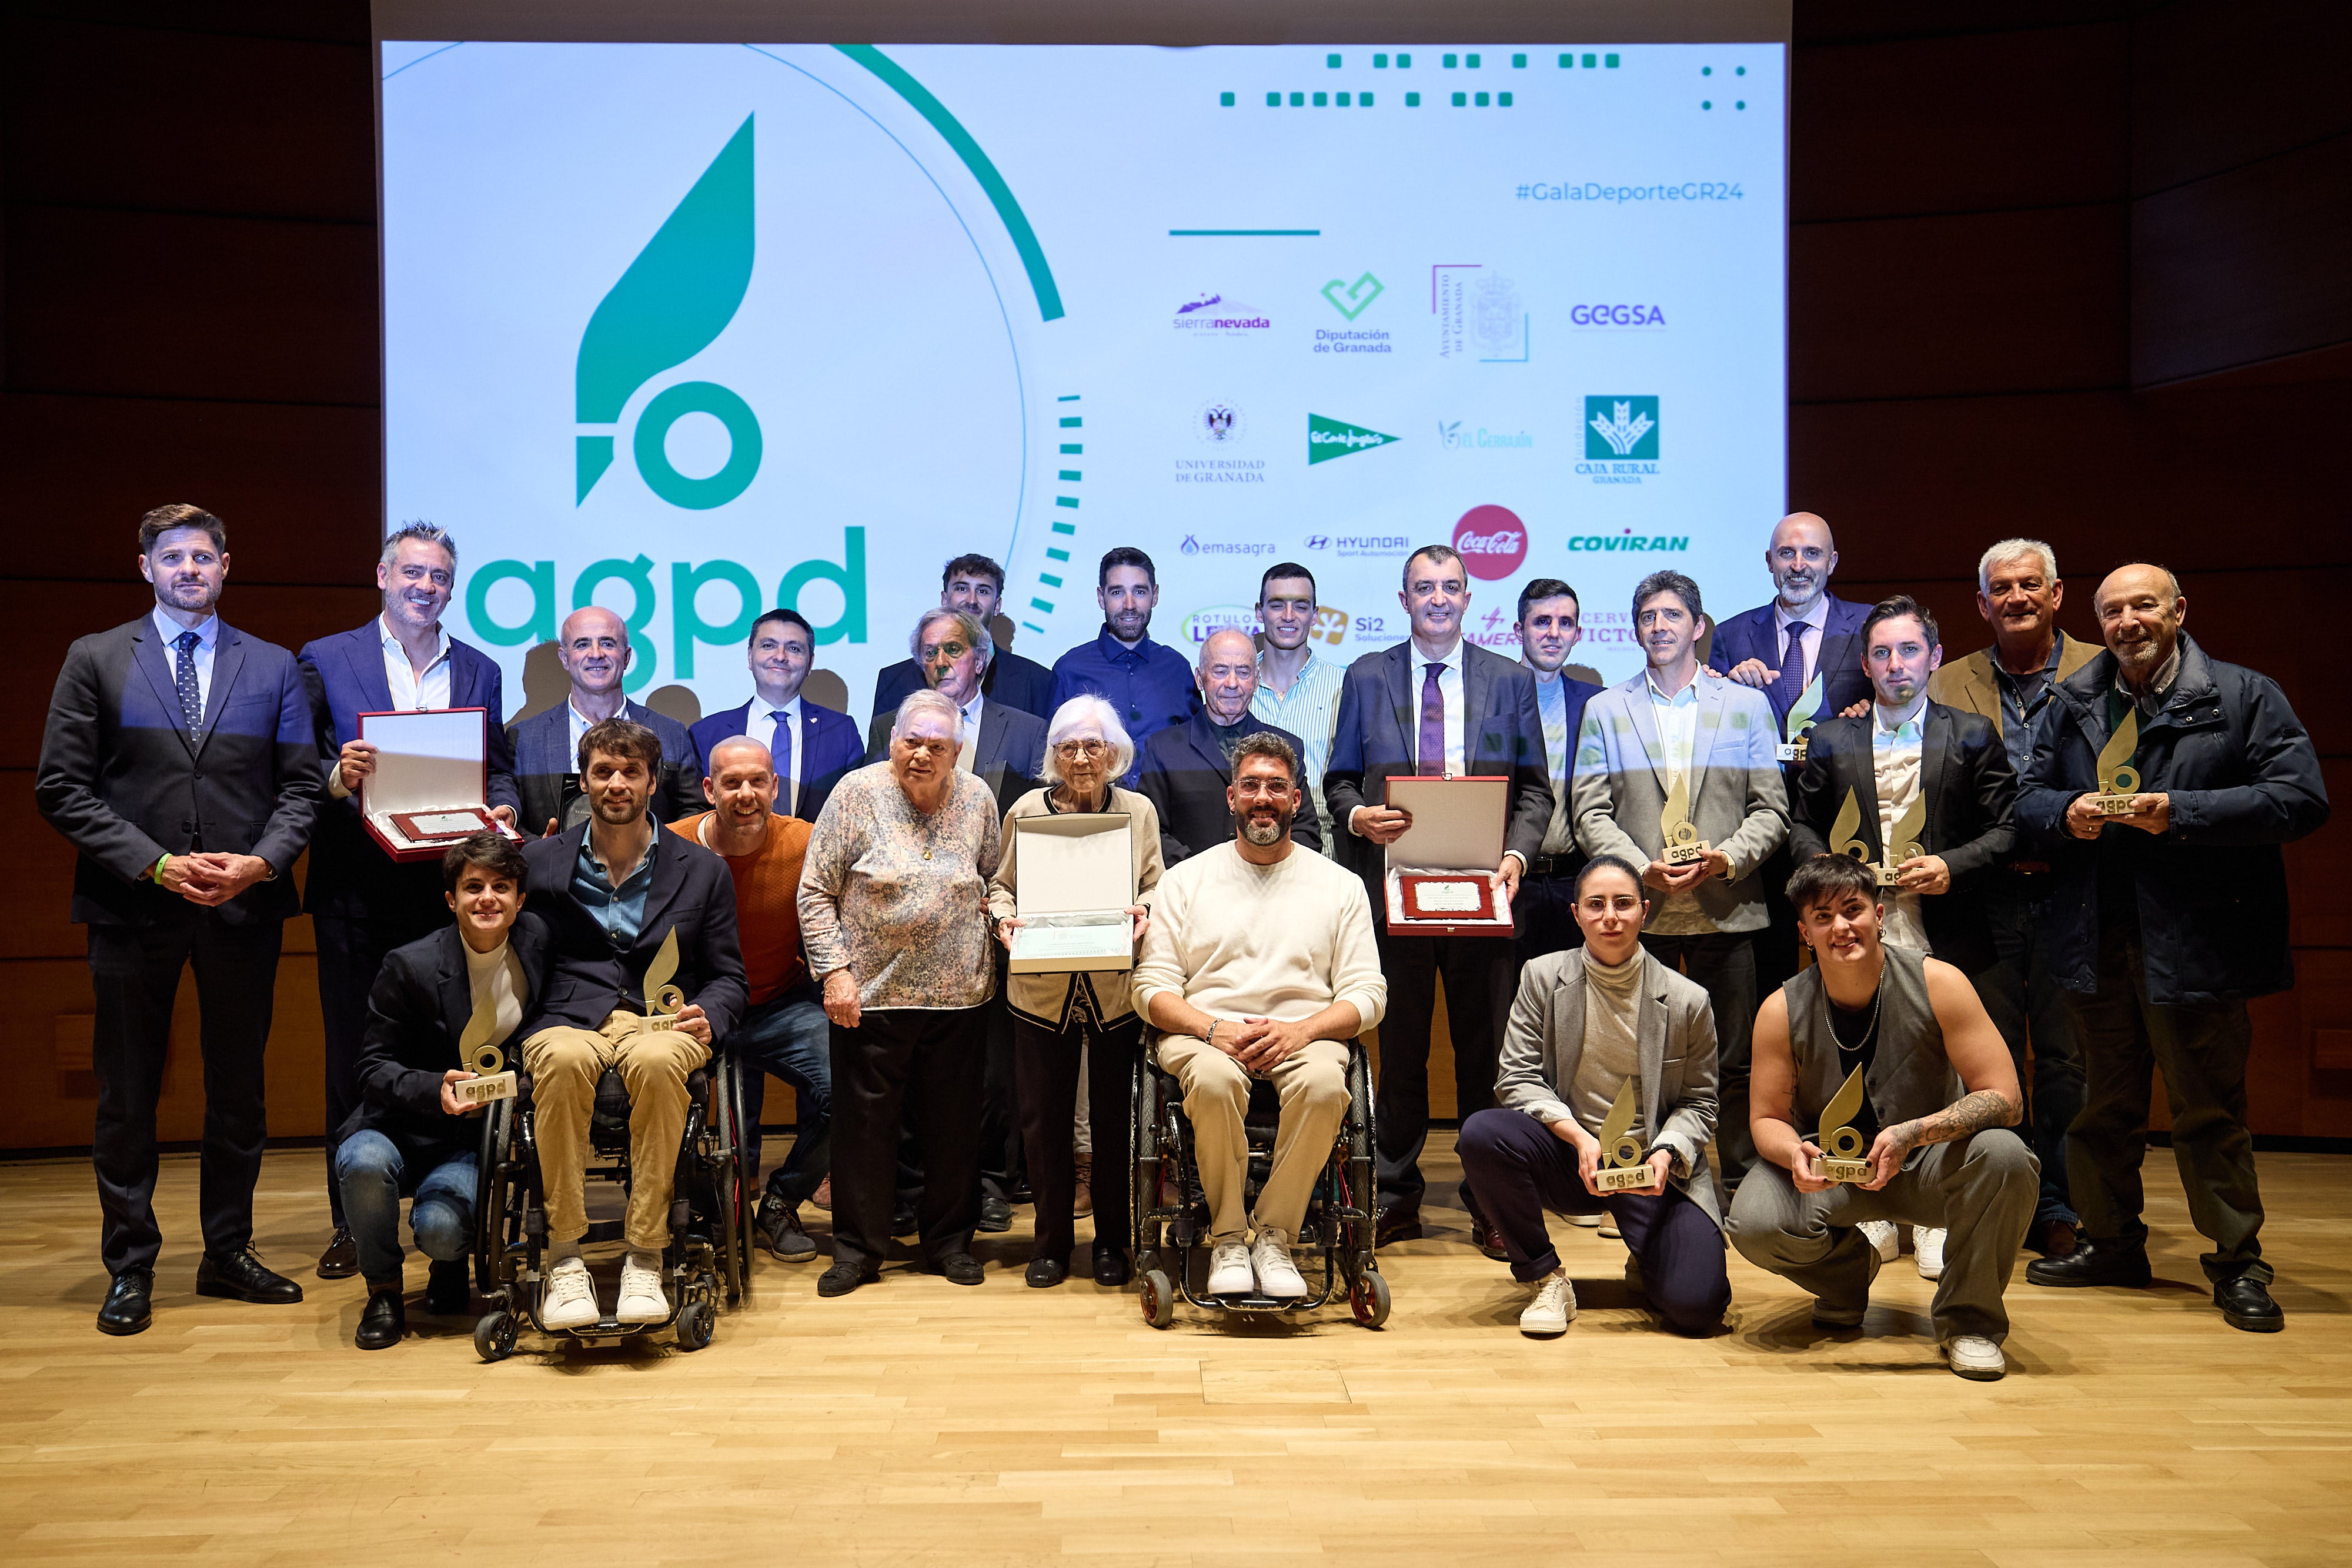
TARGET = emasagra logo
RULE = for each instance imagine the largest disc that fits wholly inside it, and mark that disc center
(1329, 438)
(672, 303)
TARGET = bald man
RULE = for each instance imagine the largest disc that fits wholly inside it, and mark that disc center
(594, 650)
(1186, 768)
(2165, 919)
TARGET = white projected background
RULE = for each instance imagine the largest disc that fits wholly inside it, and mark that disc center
(688, 330)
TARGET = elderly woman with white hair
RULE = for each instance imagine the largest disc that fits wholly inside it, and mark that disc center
(893, 903)
(1062, 1020)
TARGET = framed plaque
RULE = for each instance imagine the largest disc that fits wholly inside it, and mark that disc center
(1074, 874)
(1440, 870)
(432, 770)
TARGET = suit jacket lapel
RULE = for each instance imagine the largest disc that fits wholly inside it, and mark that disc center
(990, 746)
(364, 652)
(148, 649)
(1645, 726)
(1705, 735)
(1476, 681)
(1934, 762)
(669, 872)
(1569, 1027)
(1865, 786)
(457, 986)
(228, 660)
(1650, 1037)
(1400, 684)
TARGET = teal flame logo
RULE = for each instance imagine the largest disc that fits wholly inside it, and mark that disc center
(675, 300)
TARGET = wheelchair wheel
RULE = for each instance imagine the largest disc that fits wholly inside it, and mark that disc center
(1368, 1298)
(728, 1194)
(494, 1336)
(1143, 1168)
(1157, 1297)
(695, 1322)
(491, 1193)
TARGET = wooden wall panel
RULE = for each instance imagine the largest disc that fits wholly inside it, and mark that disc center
(2215, 88)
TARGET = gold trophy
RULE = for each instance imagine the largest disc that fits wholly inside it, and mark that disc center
(1795, 742)
(1846, 836)
(1842, 1147)
(1624, 1162)
(485, 1060)
(1683, 844)
(2118, 781)
(664, 1001)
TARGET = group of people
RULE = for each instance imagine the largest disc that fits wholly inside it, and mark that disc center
(1819, 858)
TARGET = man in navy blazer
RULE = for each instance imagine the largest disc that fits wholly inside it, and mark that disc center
(1551, 623)
(1003, 744)
(363, 903)
(593, 648)
(812, 745)
(1186, 768)
(178, 761)
(1435, 705)
(975, 585)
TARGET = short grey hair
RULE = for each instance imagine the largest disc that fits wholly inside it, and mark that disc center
(1088, 712)
(423, 534)
(928, 701)
(2009, 550)
(968, 626)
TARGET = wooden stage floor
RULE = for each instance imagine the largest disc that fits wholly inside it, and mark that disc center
(917, 1422)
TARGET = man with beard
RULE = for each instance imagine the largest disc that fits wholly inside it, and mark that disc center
(975, 585)
(593, 648)
(1259, 962)
(1550, 626)
(1297, 689)
(363, 904)
(811, 745)
(1147, 684)
(2165, 920)
(1186, 768)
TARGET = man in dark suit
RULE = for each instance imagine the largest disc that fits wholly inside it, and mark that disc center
(179, 762)
(1005, 746)
(612, 890)
(593, 648)
(1550, 626)
(409, 1134)
(975, 585)
(1187, 769)
(812, 745)
(1435, 705)
(363, 904)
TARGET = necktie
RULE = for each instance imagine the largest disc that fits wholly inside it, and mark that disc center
(1791, 683)
(1431, 748)
(192, 696)
(780, 751)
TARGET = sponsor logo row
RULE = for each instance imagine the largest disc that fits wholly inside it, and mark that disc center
(1621, 441)
(1477, 312)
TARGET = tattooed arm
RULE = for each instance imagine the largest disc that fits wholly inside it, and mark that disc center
(1990, 1096)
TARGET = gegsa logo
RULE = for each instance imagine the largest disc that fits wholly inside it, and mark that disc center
(1651, 316)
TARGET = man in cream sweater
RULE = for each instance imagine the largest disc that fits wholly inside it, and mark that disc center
(1260, 963)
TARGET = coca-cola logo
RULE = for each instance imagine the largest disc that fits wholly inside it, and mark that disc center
(1491, 541)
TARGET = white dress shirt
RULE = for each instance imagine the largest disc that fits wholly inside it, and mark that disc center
(1559, 759)
(762, 724)
(1895, 760)
(1449, 687)
(1817, 616)
(411, 692)
(964, 758)
(208, 638)
(1679, 915)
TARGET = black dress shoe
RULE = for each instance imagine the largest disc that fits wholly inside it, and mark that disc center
(2246, 1304)
(383, 1321)
(341, 1260)
(126, 1309)
(2093, 1263)
(1110, 1265)
(1397, 1225)
(846, 1276)
(1045, 1274)
(449, 1289)
(241, 1277)
(779, 1225)
(1487, 1242)
(903, 1223)
(957, 1269)
(995, 1215)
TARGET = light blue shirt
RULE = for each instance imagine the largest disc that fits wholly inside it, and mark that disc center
(1310, 710)
(207, 639)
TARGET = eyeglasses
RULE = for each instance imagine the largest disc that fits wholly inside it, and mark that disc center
(1089, 749)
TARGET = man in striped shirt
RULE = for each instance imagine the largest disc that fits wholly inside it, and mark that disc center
(1296, 690)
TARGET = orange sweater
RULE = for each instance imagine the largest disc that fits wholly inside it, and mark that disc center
(767, 904)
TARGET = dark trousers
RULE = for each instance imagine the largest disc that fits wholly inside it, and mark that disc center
(2028, 1006)
(936, 1055)
(2200, 1048)
(1778, 947)
(135, 972)
(1722, 965)
(1478, 977)
(1523, 1168)
(1047, 1062)
(351, 952)
(1001, 1172)
(1545, 909)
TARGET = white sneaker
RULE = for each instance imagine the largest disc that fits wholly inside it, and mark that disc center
(1609, 1231)
(1927, 1250)
(1587, 1220)
(1278, 1276)
(1554, 1305)
(567, 1297)
(1882, 1235)
(1975, 1356)
(1229, 1269)
(641, 1300)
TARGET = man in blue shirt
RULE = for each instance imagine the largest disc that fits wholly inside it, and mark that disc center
(1147, 684)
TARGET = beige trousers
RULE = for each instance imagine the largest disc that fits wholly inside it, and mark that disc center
(1313, 1085)
(564, 1064)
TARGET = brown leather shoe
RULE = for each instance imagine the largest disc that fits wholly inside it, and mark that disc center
(2053, 1238)
(341, 1260)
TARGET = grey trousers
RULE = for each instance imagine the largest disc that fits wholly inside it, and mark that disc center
(1980, 1190)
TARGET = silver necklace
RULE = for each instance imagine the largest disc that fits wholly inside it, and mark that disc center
(1877, 996)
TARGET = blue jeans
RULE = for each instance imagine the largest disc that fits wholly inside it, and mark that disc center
(372, 1170)
(787, 1035)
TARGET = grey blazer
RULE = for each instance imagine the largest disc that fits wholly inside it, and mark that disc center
(1739, 804)
(1674, 1034)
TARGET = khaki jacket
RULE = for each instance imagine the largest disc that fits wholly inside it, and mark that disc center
(1969, 682)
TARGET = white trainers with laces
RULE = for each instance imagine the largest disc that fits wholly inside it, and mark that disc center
(1554, 1305)
(1927, 1250)
(1587, 1220)
(1882, 1235)
(1229, 1269)
(641, 1300)
(1975, 1356)
(567, 1297)
(1278, 1276)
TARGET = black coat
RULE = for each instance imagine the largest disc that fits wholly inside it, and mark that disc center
(1972, 797)
(417, 1012)
(1010, 679)
(1184, 778)
(2242, 778)
(589, 979)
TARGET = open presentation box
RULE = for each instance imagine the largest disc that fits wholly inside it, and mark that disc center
(1440, 870)
(1075, 877)
(431, 774)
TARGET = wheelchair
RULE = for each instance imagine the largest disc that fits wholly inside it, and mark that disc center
(708, 1252)
(1171, 1215)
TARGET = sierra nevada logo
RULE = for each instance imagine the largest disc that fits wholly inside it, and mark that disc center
(1624, 427)
(672, 303)
(1329, 438)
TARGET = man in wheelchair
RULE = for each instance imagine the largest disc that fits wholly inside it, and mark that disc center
(613, 891)
(1259, 962)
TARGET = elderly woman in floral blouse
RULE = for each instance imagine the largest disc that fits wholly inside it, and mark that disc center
(894, 912)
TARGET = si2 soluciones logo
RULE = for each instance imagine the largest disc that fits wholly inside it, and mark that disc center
(674, 300)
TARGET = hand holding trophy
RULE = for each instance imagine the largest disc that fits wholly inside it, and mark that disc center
(1795, 743)
(662, 1000)
(1844, 1151)
(484, 1060)
(1683, 844)
(1624, 1162)
(1846, 837)
(2118, 781)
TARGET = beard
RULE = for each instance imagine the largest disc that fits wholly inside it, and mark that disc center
(1264, 832)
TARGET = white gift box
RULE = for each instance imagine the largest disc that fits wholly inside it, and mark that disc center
(432, 760)
(1074, 879)
(1457, 826)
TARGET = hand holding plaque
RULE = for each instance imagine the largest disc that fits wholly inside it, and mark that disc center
(2118, 781)
(1682, 845)
(1844, 1153)
(483, 1059)
(1624, 1162)
(1795, 743)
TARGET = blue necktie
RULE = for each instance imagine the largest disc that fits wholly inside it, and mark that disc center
(781, 750)
(192, 696)
(1791, 683)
